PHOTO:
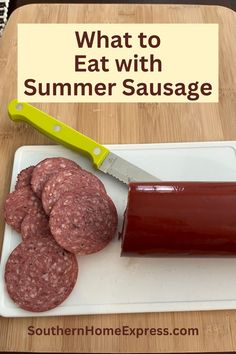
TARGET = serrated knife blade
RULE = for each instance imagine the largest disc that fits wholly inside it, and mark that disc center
(124, 171)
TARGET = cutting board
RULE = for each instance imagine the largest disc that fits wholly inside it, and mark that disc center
(108, 283)
(118, 124)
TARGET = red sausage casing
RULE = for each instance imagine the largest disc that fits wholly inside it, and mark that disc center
(180, 219)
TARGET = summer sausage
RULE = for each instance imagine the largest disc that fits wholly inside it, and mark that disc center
(36, 224)
(18, 204)
(39, 274)
(68, 181)
(83, 224)
(24, 177)
(46, 168)
(180, 219)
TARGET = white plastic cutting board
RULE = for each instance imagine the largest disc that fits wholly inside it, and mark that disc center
(109, 283)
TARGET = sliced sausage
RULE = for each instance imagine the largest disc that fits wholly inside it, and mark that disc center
(46, 168)
(18, 204)
(83, 224)
(39, 274)
(24, 177)
(68, 181)
(36, 224)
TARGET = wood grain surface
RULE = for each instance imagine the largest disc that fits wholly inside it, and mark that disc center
(122, 123)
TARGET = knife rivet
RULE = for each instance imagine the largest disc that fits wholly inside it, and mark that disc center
(19, 106)
(96, 151)
(56, 128)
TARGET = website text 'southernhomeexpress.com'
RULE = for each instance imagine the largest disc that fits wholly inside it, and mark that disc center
(124, 330)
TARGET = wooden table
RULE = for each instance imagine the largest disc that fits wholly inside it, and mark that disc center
(123, 123)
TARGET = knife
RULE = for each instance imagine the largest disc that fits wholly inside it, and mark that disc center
(102, 158)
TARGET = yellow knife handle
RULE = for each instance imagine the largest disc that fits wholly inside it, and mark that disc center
(57, 130)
